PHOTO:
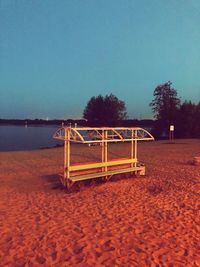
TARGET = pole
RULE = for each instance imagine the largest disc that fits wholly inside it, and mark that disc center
(171, 132)
(68, 153)
(103, 149)
(65, 156)
(106, 150)
(132, 146)
(135, 150)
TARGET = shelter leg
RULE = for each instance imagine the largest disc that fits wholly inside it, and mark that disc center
(69, 183)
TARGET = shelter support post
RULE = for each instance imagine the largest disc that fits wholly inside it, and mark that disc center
(132, 147)
(66, 157)
(103, 150)
(106, 152)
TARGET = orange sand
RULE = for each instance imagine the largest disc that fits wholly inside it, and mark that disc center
(137, 221)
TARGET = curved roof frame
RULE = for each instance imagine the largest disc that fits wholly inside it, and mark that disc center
(97, 135)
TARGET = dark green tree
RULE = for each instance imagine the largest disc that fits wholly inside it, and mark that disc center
(187, 119)
(197, 121)
(165, 107)
(104, 111)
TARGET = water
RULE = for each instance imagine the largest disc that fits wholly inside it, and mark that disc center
(14, 138)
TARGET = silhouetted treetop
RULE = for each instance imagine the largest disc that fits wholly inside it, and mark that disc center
(165, 106)
(104, 111)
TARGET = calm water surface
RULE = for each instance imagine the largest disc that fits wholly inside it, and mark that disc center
(26, 138)
(14, 138)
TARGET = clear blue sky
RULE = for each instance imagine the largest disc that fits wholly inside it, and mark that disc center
(56, 54)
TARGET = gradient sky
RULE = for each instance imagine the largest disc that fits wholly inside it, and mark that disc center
(56, 54)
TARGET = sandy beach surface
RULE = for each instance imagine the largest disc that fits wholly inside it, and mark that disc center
(129, 221)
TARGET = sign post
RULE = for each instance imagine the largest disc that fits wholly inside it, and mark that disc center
(171, 132)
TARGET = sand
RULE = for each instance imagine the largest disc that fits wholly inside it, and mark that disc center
(136, 221)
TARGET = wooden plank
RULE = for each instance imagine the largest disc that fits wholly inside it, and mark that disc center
(101, 164)
(102, 174)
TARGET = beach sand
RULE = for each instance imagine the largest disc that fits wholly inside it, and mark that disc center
(153, 220)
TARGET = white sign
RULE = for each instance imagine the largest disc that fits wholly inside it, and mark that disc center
(171, 128)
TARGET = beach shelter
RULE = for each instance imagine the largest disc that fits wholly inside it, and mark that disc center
(103, 136)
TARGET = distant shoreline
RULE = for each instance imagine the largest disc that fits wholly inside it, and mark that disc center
(39, 122)
(81, 122)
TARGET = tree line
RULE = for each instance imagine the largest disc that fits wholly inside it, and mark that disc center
(166, 107)
(169, 110)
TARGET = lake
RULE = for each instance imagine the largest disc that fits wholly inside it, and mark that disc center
(14, 137)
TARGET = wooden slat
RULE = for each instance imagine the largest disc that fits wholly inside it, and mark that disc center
(102, 174)
(101, 164)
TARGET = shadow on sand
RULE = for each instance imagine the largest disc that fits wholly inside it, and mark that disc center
(53, 180)
(55, 183)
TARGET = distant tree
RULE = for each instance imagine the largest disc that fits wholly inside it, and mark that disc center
(165, 107)
(197, 121)
(187, 119)
(104, 111)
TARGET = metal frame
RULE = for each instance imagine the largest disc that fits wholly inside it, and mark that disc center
(106, 168)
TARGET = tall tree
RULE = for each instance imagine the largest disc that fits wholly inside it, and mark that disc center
(187, 119)
(165, 107)
(197, 121)
(104, 111)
